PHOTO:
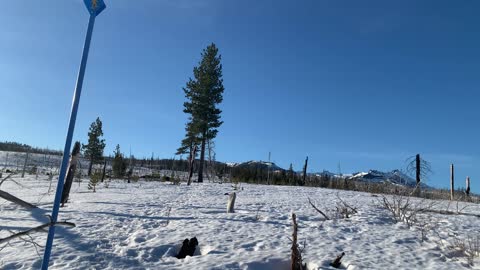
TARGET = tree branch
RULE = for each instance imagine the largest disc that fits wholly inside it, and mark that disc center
(36, 229)
(318, 210)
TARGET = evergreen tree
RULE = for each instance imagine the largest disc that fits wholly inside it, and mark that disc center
(93, 150)
(203, 94)
(119, 164)
(291, 175)
(95, 178)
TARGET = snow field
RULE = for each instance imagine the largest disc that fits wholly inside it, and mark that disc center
(141, 226)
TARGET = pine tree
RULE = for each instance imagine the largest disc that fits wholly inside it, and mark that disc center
(94, 179)
(119, 164)
(291, 175)
(93, 150)
(203, 94)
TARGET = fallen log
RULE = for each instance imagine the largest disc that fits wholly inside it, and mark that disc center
(9, 197)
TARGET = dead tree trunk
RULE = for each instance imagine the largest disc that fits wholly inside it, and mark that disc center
(202, 160)
(452, 187)
(193, 154)
(231, 203)
(72, 166)
(305, 171)
(90, 167)
(296, 259)
(467, 184)
(25, 164)
(104, 169)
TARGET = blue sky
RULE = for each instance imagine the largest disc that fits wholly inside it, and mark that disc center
(363, 84)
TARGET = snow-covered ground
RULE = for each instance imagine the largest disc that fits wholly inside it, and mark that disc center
(141, 225)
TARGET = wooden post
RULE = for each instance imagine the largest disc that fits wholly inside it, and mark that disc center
(452, 179)
(25, 164)
(467, 189)
(231, 203)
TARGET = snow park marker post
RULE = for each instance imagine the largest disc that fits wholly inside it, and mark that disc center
(94, 8)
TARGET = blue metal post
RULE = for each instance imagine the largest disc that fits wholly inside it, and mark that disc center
(68, 143)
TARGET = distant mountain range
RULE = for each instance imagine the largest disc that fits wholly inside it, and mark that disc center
(256, 164)
(394, 177)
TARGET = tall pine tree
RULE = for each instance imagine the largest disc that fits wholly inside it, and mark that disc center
(203, 94)
(93, 150)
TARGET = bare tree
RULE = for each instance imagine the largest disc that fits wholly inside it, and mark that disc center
(305, 171)
(418, 167)
(467, 184)
(452, 182)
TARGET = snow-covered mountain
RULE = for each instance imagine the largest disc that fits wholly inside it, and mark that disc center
(394, 177)
(256, 164)
(324, 173)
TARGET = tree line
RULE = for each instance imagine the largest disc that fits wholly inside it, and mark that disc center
(21, 147)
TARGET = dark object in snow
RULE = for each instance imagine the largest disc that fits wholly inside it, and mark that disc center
(72, 166)
(336, 263)
(188, 248)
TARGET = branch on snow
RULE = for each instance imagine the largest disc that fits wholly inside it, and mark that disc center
(318, 210)
(36, 229)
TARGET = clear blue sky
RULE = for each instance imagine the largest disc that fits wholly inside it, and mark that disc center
(365, 84)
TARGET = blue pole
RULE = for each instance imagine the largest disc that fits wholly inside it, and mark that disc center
(68, 144)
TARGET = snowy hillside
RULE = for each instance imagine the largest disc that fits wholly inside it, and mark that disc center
(141, 225)
(258, 164)
(395, 177)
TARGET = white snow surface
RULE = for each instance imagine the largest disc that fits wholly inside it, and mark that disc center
(130, 226)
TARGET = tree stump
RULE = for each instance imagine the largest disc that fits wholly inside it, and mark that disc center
(296, 260)
(231, 203)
